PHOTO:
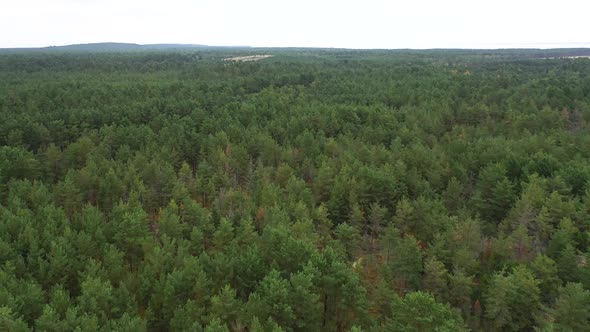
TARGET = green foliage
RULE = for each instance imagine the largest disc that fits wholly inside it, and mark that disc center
(418, 311)
(436, 279)
(404, 264)
(572, 309)
(513, 300)
(175, 191)
(494, 194)
(8, 321)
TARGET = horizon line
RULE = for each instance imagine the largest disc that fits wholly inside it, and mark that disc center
(478, 46)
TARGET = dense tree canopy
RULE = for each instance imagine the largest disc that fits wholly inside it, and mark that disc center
(317, 190)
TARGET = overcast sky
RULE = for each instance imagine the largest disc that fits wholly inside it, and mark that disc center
(313, 23)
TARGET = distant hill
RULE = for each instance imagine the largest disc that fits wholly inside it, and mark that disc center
(109, 47)
(94, 47)
(101, 47)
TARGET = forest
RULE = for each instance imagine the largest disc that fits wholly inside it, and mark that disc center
(314, 190)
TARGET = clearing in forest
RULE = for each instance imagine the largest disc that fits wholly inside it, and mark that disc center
(248, 58)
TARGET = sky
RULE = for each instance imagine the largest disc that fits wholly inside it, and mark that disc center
(299, 23)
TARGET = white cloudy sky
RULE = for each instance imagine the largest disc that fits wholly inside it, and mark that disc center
(314, 23)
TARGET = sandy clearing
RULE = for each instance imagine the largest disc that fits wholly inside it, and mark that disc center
(248, 58)
(570, 57)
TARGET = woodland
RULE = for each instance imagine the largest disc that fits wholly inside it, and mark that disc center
(314, 190)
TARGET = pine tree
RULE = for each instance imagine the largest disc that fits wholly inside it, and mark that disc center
(513, 300)
(572, 308)
(418, 311)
